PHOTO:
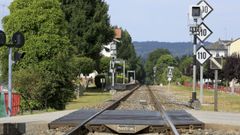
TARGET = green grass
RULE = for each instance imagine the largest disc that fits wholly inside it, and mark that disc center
(226, 102)
(88, 100)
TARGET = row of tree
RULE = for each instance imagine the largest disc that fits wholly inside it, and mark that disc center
(63, 39)
(161, 58)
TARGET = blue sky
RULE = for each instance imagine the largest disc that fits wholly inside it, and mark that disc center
(166, 20)
(4, 9)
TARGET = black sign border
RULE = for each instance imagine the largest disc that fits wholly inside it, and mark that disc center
(208, 35)
(206, 51)
(208, 5)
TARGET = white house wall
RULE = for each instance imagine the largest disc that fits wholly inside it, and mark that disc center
(234, 47)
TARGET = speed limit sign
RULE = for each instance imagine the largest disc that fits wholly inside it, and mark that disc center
(203, 32)
(202, 55)
(206, 9)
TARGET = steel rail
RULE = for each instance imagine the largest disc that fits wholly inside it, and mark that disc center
(78, 129)
(161, 108)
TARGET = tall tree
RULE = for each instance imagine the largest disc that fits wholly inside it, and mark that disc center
(126, 51)
(162, 68)
(185, 65)
(85, 66)
(152, 61)
(104, 64)
(44, 76)
(231, 68)
(88, 26)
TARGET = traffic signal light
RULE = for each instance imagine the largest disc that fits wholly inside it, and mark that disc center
(2, 38)
(18, 39)
(196, 12)
(18, 56)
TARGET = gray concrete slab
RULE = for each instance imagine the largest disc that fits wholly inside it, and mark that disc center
(72, 119)
(29, 124)
(132, 117)
(44, 117)
(222, 118)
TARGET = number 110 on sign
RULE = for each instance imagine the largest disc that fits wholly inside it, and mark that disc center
(202, 55)
(202, 32)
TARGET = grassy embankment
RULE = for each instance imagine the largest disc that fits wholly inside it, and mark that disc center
(88, 100)
(227, 102)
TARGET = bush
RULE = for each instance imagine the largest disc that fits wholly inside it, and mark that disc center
(119, 79)
(98, 81)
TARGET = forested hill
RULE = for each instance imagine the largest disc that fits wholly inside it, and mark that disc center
(176, 48)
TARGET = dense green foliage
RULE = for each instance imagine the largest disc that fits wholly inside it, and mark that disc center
(126, 51)
(44, 76)
(161, 59)
(231, 68)
(88, 26)
(104, 64)
(64, 38)
(185, 65)
(98, 82)
(151, 62)
(83, 65)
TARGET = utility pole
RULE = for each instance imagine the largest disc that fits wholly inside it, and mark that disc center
(195, 13)
(113, 55)
(10, 81)
(216, 91)
(154, 74)
(170, 76)
(216, 64)
(113, 49)
(201, 84)
(194, 93)
(113, 72)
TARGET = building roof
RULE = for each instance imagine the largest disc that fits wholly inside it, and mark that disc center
(219, 45)
(235, 40)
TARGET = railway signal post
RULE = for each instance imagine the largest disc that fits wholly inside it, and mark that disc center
(154, 74)
(17, 41)
(195, 15)
(170, 75)
(113, 49)
(200, 32)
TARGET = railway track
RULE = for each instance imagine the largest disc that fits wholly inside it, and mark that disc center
(148, 116)
(161, 108)
(80, 128)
